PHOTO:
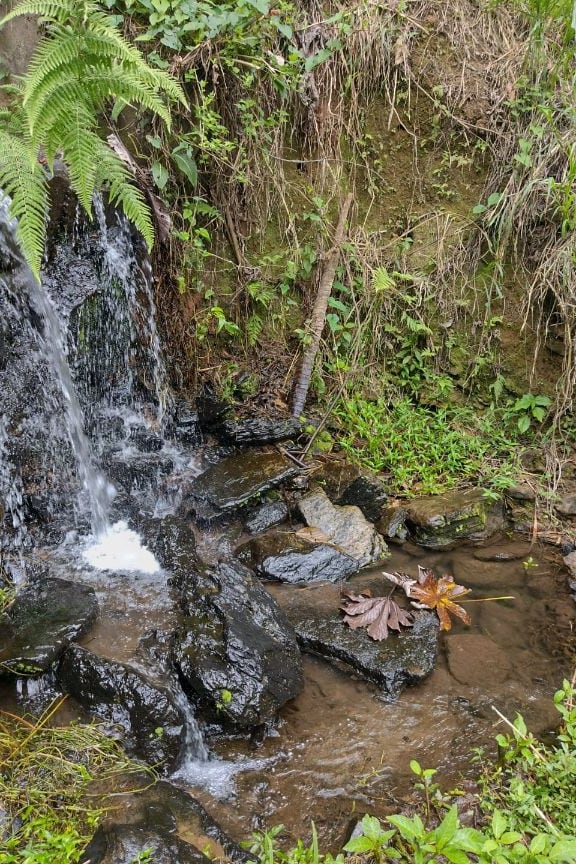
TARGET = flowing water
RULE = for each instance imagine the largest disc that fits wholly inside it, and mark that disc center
(93, 385)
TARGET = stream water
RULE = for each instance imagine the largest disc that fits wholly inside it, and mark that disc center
(338, 749)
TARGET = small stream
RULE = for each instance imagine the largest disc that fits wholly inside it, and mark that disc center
(87, 457)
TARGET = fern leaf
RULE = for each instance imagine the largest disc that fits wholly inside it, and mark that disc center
(122, 191)
(254, 327)
(47, 10)
(24, 180)
(81, 147)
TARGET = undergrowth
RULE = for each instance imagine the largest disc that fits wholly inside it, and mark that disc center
(426, 451)
(524, 813)
(47, 815)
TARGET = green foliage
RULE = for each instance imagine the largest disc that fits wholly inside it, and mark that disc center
(424, 451)
(81, 66)
(535, 783)
(45, 771)
(529, 408)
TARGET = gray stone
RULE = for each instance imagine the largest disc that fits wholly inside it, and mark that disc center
(45, 617)
(153, 724)
(267, 516)
(392, 524)
(566, 506)
(285, 557)
(570, 562)
(442, 521)
(236, 479)
(400, 660)
(236, 653)
(505, 552)
(345, 527)
(522, 492)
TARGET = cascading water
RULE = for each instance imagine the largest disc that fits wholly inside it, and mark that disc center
(100, 492)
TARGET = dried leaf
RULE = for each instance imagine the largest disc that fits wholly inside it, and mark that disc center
(439, 594)
(378, 614)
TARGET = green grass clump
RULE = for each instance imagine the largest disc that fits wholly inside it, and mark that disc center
(425, 451)
(45, 775)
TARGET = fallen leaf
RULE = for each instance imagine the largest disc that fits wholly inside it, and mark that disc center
(378, 614)
(439, 594)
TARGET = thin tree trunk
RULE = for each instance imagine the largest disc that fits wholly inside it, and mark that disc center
(318, 318)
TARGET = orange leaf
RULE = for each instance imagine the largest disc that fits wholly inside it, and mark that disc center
(439, 594)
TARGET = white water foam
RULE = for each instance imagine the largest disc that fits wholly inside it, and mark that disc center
(120, 548)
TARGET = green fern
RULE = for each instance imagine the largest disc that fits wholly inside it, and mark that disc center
(23, 179)
(81, 66)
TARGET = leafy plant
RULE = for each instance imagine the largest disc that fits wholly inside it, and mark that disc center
(81, 66)
(529, 408)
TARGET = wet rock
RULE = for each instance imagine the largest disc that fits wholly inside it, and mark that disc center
(347, 484)
(566, 506)
(236, 654)
(145, 441)
(45, 617)
(186, 424)
(266, 516)
(258, 430)
(504, 552)
(392, 524)
(122, 844)
(166, 820)
(345, 527)
(522, 492)
(285, 557)
(137, 471)
(393, 664)
(212, 409)
(474, 658)
(236, 479)
(173, 543)
(441, 521)
(153, 724)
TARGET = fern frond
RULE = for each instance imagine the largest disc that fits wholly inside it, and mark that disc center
(23, 179)
(47, 10)
(81, 149)
(122, 191)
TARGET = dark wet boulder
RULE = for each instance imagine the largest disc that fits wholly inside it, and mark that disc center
(286, 557)
(145, 441)
(172, 541)
(266, 516)
(442, 521)
(136, 471)
(237, 479)
(45, 617)
(166, 820)
(185, 426)
(258, 430)
(123, 844)
(152, 723)
(345, 483)
(236, 654)
(345, 527)
(398, 661)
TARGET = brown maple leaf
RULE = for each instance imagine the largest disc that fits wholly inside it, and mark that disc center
(439, 594)
(378, 614)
